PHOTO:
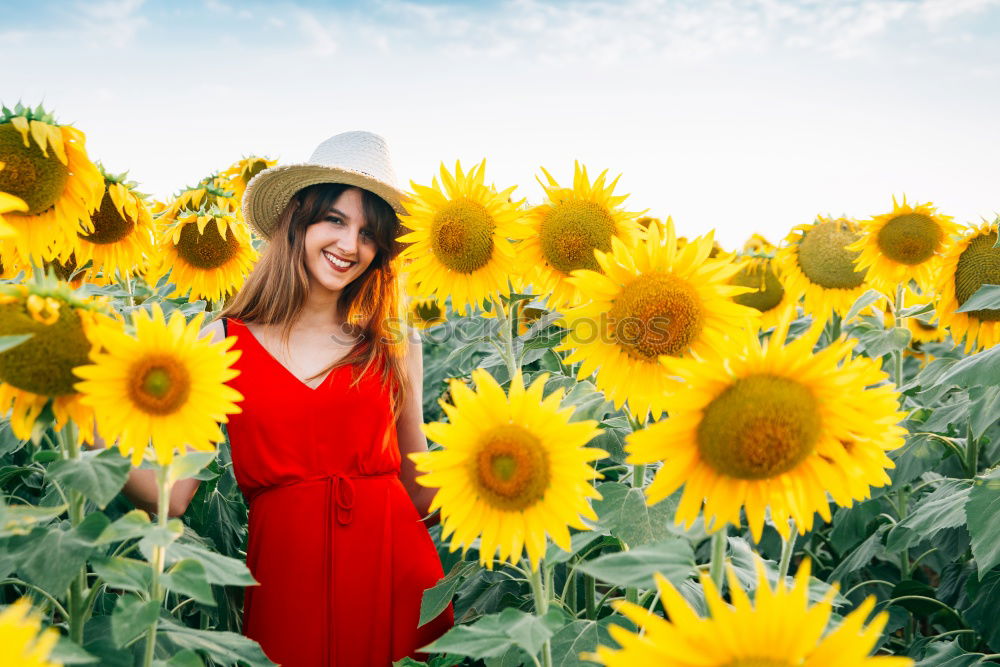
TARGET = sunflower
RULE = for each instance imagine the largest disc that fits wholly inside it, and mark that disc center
(648, 301)
(779, 628)
(11, 264)
(208, 253)
(459, 237)
(769, 297)
(425, 313)
(513, 468)
(21, 643)
(772, 425)
(238, 174)
(905, 244)
(119, 234)
(64, 328)
(165, 384)
(817, 266)
(971, 263)
(566, 230)
(47, 167)
(757, 245)
(207, 193)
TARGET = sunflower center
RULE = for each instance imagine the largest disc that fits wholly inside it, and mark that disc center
(760, 427)
(761, 277)
(978, 265)
(657, 313)
(909, 239)
(28, 174)
(110, 226)
(44, 363)
(511, 468)
(757, 662)
(571, 232)
(824, 259)
(159, 384)
(462, 235)
(207, 250)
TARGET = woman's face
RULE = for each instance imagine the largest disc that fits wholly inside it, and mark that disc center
(338, 246)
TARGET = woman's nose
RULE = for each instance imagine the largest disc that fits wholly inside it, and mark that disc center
(348, 243)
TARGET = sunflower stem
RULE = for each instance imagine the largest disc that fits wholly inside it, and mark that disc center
(717, 564)
(897, 355)
(541, 607)
(638, 469)
(506, 337)
(77, 505)
(159, 556)
(787, 547)
(590, 596)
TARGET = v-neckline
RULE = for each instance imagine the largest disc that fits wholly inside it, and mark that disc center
(280, 365)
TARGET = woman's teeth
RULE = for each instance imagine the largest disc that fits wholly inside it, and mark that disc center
(339, 263)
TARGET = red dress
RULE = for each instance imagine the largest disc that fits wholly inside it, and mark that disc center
(334, 540)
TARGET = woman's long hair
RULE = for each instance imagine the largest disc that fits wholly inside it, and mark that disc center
(276, 289)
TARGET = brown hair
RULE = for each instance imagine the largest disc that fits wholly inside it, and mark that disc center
(276, 289)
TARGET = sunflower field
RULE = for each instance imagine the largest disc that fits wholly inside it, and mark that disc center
(647, 449)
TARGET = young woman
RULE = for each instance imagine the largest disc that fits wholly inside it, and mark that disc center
(332, 404)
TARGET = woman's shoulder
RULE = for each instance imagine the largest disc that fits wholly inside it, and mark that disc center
(215, 330)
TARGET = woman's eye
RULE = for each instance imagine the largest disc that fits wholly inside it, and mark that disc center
(334, 220)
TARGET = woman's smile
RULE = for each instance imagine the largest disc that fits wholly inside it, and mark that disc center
(338, 263)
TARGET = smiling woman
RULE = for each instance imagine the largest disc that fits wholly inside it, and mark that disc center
(332, 399)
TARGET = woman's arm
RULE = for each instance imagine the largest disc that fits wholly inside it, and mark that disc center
(408, 433)
(140, 488)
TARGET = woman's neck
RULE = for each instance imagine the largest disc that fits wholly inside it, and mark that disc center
(320, 310)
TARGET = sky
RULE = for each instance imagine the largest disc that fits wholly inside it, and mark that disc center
(740, 116)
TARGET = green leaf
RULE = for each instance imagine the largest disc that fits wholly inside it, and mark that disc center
(623, 511)
(68, 652)
(576, 638)
(436, 598)
(741, 559)
(131, 617)
(125, 573)
(987, 297)
(190, 464)
(851, 524)
(878, 343)
(8, 342)
(982, 509)
(578, 542)
(909, 587)
(984, 600)
(224, 648)
(186, 658)
(949, 654)
(921, 453)
(20, 519)
(51, 557)
(984, 411)
(491, 636)
(219, 569)
(612, 441)
(98, 475)
(981, 369)
(860, 557)
(673, 558)
(132, 525)
(862, 302)
(942, 508)
(187, 577)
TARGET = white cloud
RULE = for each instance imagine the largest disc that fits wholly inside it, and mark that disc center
(319, 37)
(114, 22)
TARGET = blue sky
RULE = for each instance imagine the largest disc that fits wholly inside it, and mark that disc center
(741, 116)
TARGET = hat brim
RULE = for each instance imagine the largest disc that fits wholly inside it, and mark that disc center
(269, 192)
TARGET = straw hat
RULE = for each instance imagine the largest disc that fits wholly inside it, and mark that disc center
(356, 158)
